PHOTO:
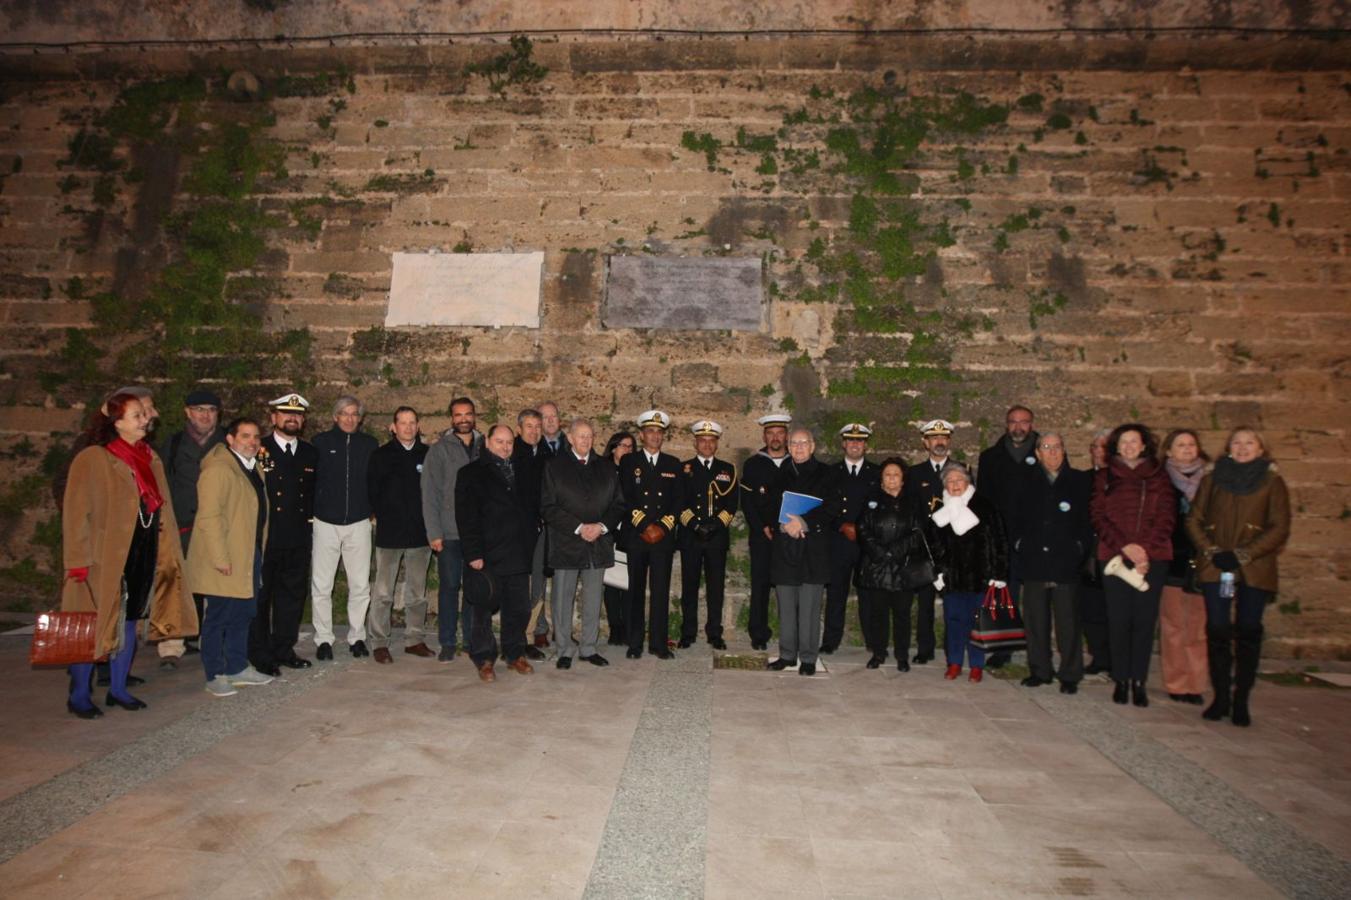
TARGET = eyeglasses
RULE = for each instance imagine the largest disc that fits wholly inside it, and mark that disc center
(799, 443)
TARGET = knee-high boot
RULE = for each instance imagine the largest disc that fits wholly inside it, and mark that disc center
(1220, 655)
(1248, 654)
(119, 667)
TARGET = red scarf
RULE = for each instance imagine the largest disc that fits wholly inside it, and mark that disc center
(138, 456)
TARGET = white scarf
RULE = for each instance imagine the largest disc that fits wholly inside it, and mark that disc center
(955, 514)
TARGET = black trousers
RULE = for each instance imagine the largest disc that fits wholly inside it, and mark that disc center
(698, 559)
(1044, 603)
(760, 585)
(843, 563)
(1093, 614)
(616, 603)
(924, 622)
(513, 601)
(884, 611)
(1132, 617)
(281, 605)
(650, 569)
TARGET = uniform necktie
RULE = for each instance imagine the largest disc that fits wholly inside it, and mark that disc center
(708, 464)
(290, 450)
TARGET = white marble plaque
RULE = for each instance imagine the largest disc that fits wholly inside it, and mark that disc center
(712, 293)
(465, 289)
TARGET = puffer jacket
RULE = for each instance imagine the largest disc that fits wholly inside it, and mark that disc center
(1134, 506)
(969, 561)
(890, 537)
(1254, 526)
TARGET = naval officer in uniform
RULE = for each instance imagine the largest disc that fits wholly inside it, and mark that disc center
(858, 479)
(761, 496)
(653, 491)
(924, 489)
(711, 497)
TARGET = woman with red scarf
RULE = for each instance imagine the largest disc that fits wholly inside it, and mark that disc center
(120, 544)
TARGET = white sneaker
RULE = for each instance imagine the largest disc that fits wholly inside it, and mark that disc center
(220, 687)
(249, 676)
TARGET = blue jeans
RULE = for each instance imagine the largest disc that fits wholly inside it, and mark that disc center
(225, 628)
(959, 614)
(1243, 609)
(450, 571)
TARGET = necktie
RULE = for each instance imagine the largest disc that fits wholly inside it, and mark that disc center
(290, 450)
(853, 471)
(708, 464)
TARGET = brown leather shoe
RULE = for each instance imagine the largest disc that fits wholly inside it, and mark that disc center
(519, 664)
(382, 656)
(420, 650)
(486, 673)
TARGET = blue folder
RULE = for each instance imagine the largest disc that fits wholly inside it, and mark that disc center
(797, 505)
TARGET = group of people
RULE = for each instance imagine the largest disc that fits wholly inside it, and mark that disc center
(225, 532)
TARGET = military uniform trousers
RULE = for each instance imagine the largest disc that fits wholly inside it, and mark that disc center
(698, 559)
(844, 556)
(281, 604)
(760, 584)
(650, 570)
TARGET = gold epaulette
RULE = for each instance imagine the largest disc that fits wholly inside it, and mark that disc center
(685, 516)
(638, 516)
(726, 518)
(668, 521)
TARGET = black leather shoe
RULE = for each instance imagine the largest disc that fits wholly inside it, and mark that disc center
(102, 680)
(807, 669)
(663, 654)
(190, 647)
(1138, 695)
(875, 662)
(533, 652)
(359, 649)
(685, 643)
(902, 665)
(920, 659)
(717, 643)
(1094, 669)
(1033, 681)
(997, 660)
(131, 703)
(296, 662)
(1121, 693)
(827, 649)
(90, 712)
(133, 680)
(596, 660)
(779, 665)
(633, 654)
(759, 645)
(564, 662)
(274, 671)
(1069, 687)
(325, 652)
(615, 641)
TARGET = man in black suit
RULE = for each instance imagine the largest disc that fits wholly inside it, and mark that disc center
(762, 495)
(553, 437)
(530, 446)
(858, 478)
(654, 495)
(711, 498)
(497, 516)
(924, 488)
(289, 465)
(1000, 472)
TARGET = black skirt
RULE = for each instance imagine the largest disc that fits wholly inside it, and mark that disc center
(139, 572)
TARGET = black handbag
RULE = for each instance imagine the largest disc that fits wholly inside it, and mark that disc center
(998, 625)
(917, 575)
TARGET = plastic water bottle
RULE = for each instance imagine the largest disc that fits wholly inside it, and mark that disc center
(1227, 583)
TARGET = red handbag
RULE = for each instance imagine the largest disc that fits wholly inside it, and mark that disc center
(64, 638)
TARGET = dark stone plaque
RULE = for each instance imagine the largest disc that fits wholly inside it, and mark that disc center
(717, 293)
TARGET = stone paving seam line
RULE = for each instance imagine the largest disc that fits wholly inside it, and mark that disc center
(655, 838)
(1291, 862)
(32, 816)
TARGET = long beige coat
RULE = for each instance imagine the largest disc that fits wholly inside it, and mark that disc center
(98, 516)
(223, 533)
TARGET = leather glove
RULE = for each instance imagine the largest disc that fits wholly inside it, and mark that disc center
(80, 574)
(653, 533)
(706, 530)
(1226, 561)
(849, 530)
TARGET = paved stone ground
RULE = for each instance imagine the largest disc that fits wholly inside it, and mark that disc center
(654, 779)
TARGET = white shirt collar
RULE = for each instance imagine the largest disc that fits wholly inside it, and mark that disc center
(248, 463)
(284, 442)
(704, 460)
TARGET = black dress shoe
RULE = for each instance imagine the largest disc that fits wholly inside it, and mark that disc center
(564, 662)
(131, 703)
(616, 641)
(89, 712)
(1094, 669)
(1121, 693)
(920, 659)
(1033, 681)
(533, 652)
(633, 654)
(190, 647)
(828, 649)
(663, 654)
(274, 671)
(1069, 687)
(596, 660)
(997, 660)
(875, 661)
(759, 645)
(779, 665)
(325, 652)
(359, 649)
(807, 669)
(685, 643)
(1138, 695)
(717, 643)
(133, 680)
(296, 662)
(902, 665)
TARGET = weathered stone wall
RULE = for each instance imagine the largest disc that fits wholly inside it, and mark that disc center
(1106, 230)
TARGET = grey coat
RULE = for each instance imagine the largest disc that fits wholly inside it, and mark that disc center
(440, 469)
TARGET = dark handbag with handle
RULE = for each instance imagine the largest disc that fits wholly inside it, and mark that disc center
(917, 575)
(998, 625)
